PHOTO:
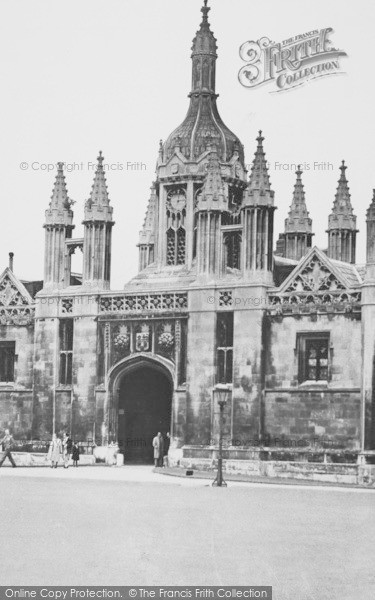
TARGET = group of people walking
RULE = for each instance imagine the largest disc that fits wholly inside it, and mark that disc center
(64, 449)
(58, 449)
(161, 449)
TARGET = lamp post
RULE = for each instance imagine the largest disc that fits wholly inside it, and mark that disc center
(222, 392)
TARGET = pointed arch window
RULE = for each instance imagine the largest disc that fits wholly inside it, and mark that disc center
(171, 246)
(224, 347)
(66, 351)
(176, 233)
(7, 360)
(232, 249)
(233, 215)
(197, 197)
(181, 242)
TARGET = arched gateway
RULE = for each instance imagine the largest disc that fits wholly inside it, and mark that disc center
(140, 404)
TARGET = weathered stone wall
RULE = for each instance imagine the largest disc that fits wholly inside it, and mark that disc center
(243, 408)
(247, 365)
(16, 399)
(200, 368)
(368, 341)
(314, 417)
(45, 376)
(100, 397)
(63, 411)
(179, 417)
(317, 414)
(84, 377)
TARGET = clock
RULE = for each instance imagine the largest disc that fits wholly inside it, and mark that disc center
(177, 200)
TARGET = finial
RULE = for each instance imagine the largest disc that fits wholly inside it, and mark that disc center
(260, 138)
(60, 166)
(100, 158)
(205, 10)
(298, 172)
(11, 256)
(343, 168)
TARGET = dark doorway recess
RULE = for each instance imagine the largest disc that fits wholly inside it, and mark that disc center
(144, 408)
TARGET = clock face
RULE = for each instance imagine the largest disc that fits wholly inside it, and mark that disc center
(178, 201)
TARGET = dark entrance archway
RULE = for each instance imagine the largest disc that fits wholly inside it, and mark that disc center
(144, 408)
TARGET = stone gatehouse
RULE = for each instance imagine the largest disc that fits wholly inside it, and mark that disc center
(285, 329)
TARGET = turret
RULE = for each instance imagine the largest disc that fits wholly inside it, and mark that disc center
(59, 227)
(146, 243)
(212, 202)
(370, 241)
(258, 209)
(98, 225)
(297, 236)
(342, 222)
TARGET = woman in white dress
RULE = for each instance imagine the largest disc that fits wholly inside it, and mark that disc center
(55, 451)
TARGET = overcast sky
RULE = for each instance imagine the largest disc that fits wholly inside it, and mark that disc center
(79, 77)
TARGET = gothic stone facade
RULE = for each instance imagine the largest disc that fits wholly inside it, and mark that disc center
(287, 336)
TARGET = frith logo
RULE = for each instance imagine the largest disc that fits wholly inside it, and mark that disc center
(289, 63)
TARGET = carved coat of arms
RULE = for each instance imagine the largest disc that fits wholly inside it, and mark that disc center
(142, 339)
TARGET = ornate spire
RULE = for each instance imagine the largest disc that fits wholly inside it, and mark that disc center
(204, 41)
(342, 216)
(370, 213)
(148, 224)
(259, 188)
(259, 178)
(213, 193)
(342, 223)
(97, 207)
(370, 241)
(99, 191)
(59, 211)
(203, 118)
(298, 217)
(59, 198)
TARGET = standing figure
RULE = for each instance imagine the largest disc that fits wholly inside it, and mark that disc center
(8, 443)
(75, 455)
(158, 444)
(55, 451)
(67, 445)
(167, 443)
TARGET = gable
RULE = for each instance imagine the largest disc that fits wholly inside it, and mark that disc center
(16, 304)
(316, 273)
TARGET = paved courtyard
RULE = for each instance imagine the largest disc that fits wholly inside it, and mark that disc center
(130, 526)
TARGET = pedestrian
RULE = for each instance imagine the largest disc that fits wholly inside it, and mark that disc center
(158, 444)
(75, 454)
(55, 451)
(167, 443)
(7, 442)
(67, 445)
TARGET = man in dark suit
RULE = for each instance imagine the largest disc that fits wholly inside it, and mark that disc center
(167, 443)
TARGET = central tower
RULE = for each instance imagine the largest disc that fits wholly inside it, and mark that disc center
(202, 145)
